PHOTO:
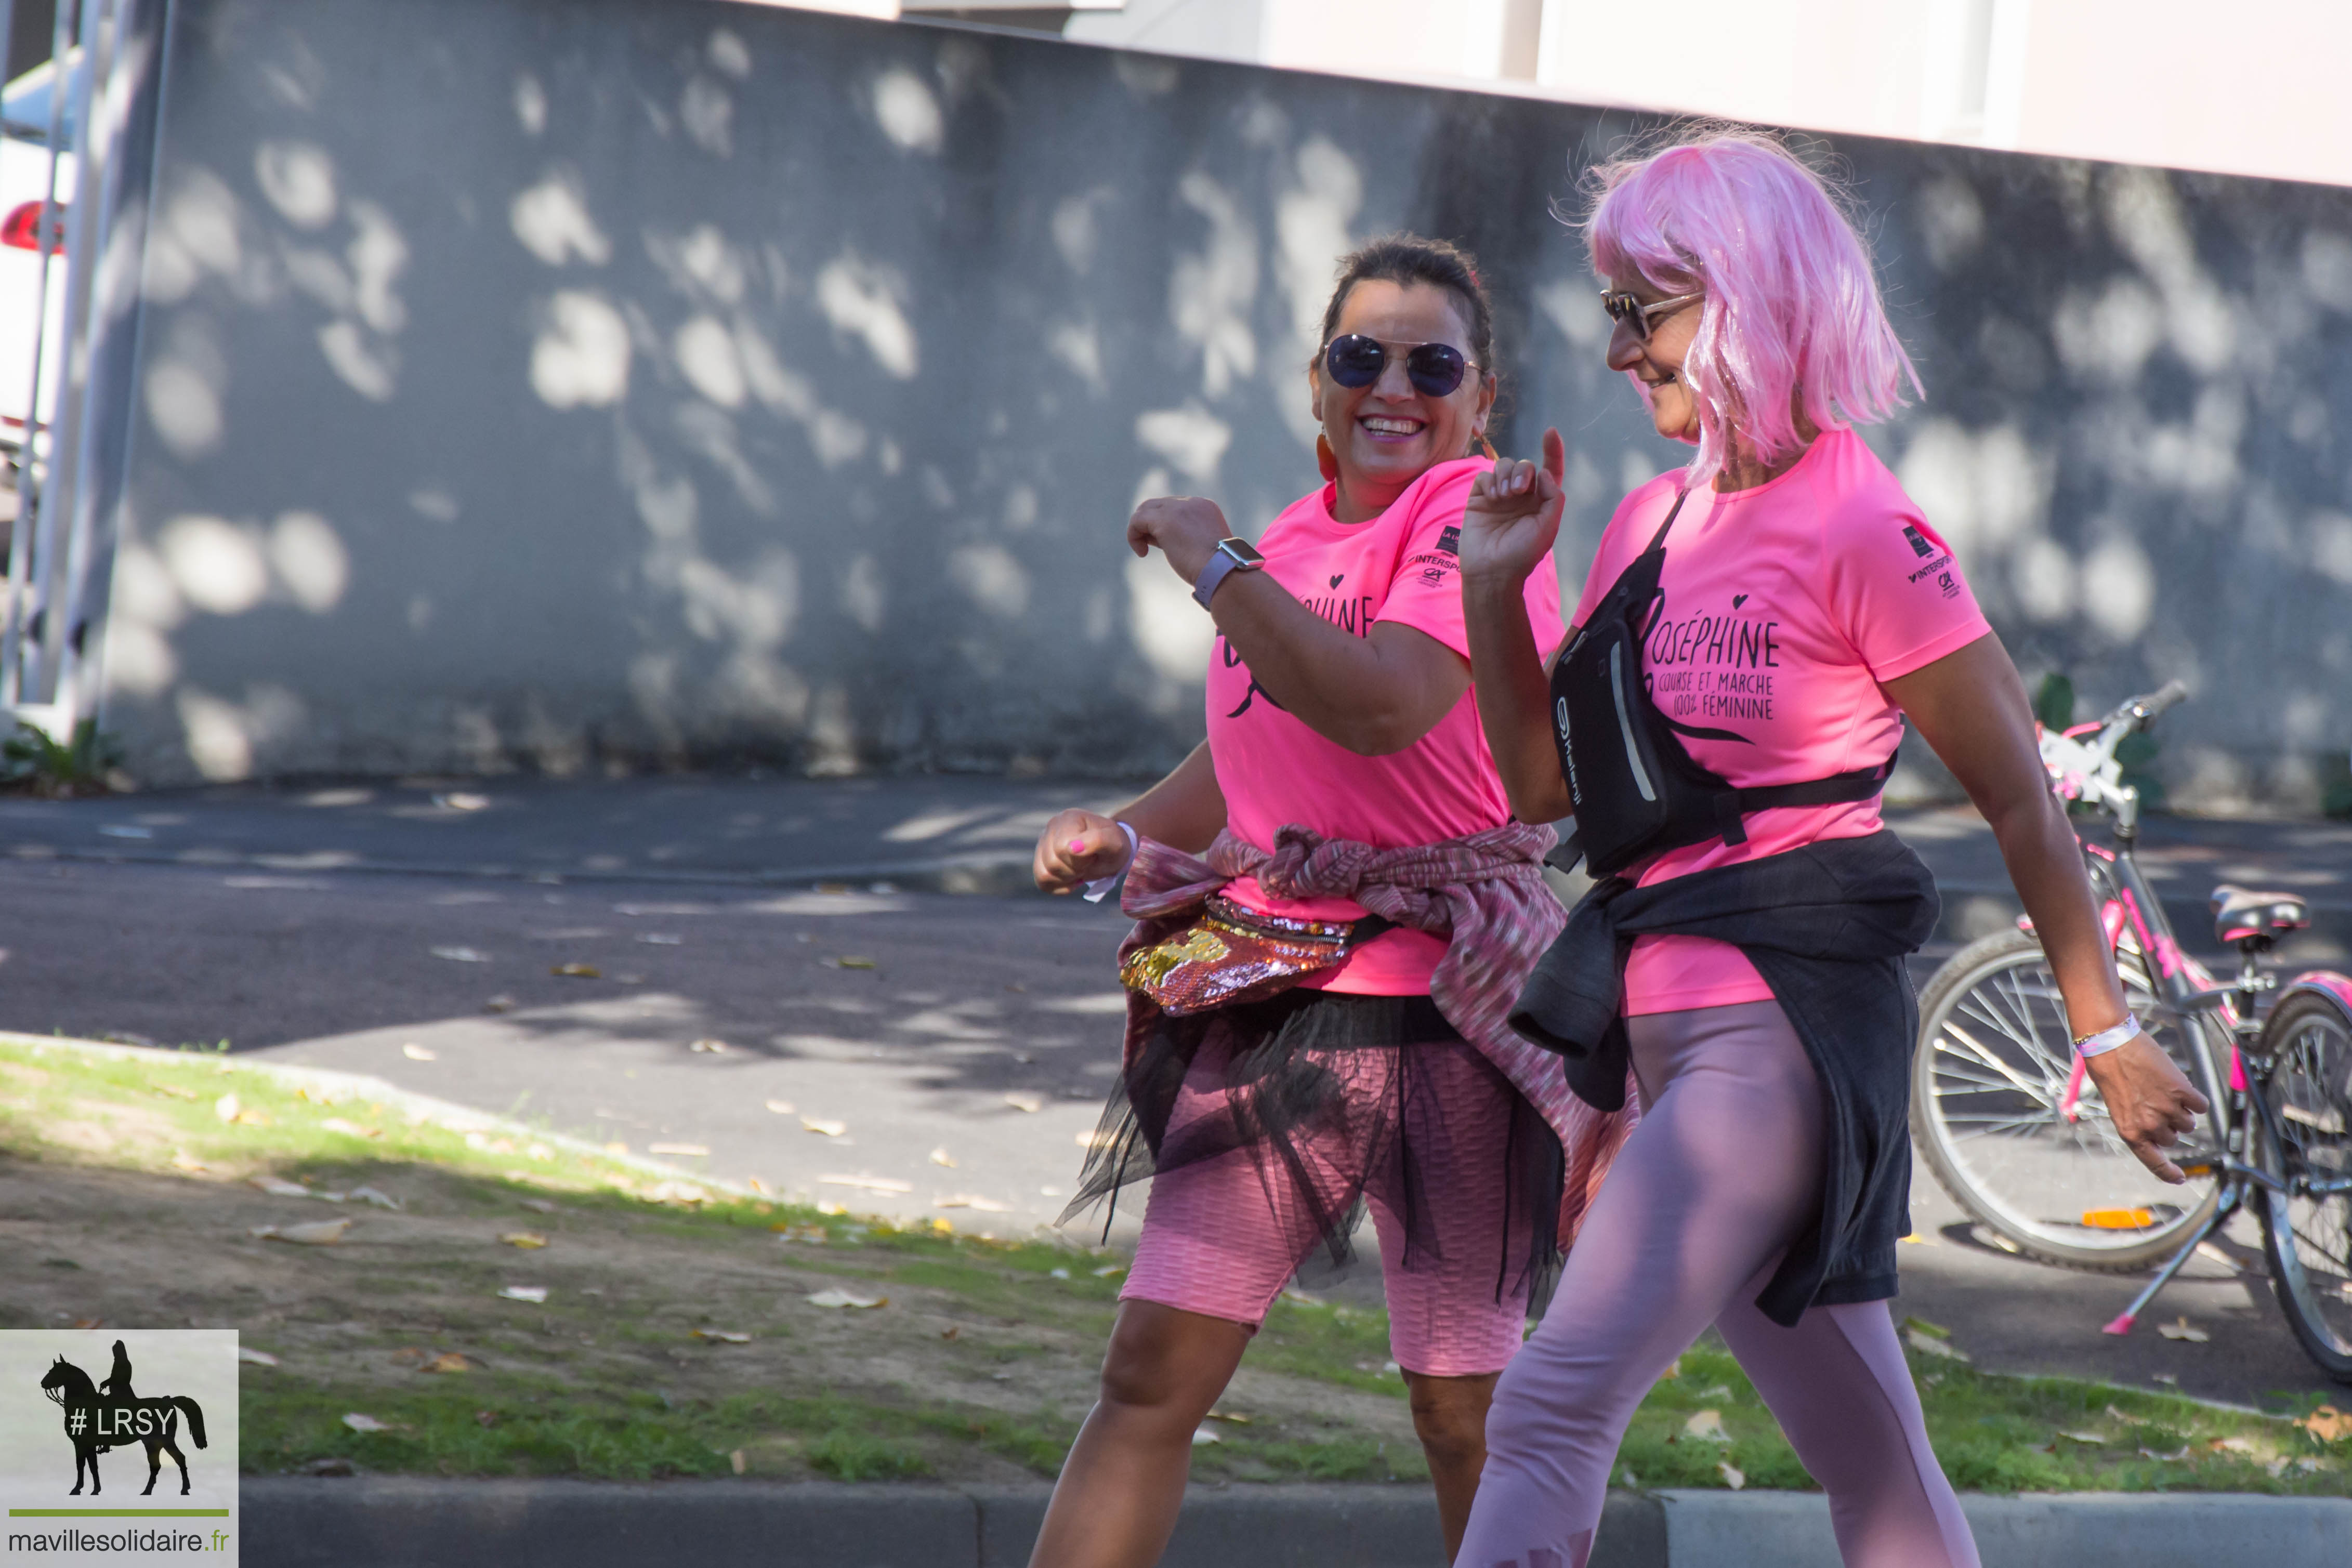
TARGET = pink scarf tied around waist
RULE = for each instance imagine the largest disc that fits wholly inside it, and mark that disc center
(1485, 893)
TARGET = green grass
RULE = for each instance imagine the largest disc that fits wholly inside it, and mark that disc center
(980, 1359)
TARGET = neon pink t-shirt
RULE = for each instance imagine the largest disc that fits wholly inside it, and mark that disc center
(1401, 566)
(1785, 606)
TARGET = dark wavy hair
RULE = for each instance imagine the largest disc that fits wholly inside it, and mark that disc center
(1408, 258)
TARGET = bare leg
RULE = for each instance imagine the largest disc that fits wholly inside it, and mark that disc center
(1115, 1505)
(1449, 1416)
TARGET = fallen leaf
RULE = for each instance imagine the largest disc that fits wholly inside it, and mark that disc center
(692, 1149)
(577, 971)
(737, 1461)
(781, 1107)
(819, 1125)
(279, 1186)
(722, 1337)
(2179, 1453)
(1707, 1427)
(2233, 1446)
(708, 1047)
(499, 1004)
(1230, 1417)
(359, 1423)
(953, 1330)
(2179, 1328)
(940, 1156)
(528, 1240)
(536, 1205)
(183, 1161)
(855, 964)
(225, 1108)
(2127, 1418)
(2090, 1438)
(462, 955)
(317, 1233)
(448, 1361)
(866, 1183)
(684, 1192)
(462, 800)
(534, 1294)
(846, 1299)
(1733, 1477)
(1032, 1104)
(2327, 1423)
(617, 1148)
(89, 1322)
(1107, 1270)
(967, 1200)
(351, 1129)
(1674, 1369)
(1920, 1238)
(1201, 1435)
(1057, 1274)
(486, 1420)
(1299, 1298)
(252, 1357)
(814, 1234)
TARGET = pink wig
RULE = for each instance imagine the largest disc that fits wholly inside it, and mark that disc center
(1792, 313)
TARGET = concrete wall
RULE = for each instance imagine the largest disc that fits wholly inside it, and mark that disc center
(551, 382)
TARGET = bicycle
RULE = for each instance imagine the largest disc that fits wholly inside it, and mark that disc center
(2015, 1131)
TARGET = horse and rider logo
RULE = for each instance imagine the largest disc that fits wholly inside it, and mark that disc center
(103, 1416)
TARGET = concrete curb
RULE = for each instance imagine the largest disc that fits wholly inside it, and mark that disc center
(414, 1523)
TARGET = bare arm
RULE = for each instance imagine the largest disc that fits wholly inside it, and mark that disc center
(1971, 708)
(1373, 695)
(1183, 811)
(1510, 524)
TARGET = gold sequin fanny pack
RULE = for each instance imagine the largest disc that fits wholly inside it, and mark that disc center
(1232, 955)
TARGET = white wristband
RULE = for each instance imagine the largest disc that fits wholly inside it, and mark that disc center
(2106, 1040)
(1103, 884)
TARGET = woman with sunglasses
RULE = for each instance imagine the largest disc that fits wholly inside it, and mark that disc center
(1754, 631)
(1344, 802)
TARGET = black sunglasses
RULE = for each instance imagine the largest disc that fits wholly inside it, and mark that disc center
(1435, 370)
(1629, 309)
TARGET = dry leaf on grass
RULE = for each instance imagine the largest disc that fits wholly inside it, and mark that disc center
(967, 1200)
(695, 1150)
(359, 1423)
(279, 1186)
(846, 1299)
(708, 1047)
(2179, 1453)
(781, 1107)
(940, 1156)
(1733, 1477)
(1032, 1104)
(722, 1337)
(528, 1240)
(318, 1233)
(820, 1125)
(1230, 1417)
(1107, 1270)
(1202, 1435)
(252, 1357)
(536, 1205)
(1931, 1339)
(866, 1183)
(351, 1129)
(737, 1461)
(2090, 1438)
(811, 1233)
(2179, 1329)
(415, 1053)
(2327, 1423)
(183, 1161)
(535, 1294)
(448, 1361)
(1707, 1427)
(225, 1108)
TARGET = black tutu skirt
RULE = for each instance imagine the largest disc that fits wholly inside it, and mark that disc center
(1339, 1099)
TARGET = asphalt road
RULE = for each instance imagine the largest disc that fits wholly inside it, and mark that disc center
(963, 1068)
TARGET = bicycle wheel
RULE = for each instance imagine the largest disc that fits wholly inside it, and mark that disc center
(1988, 1090)
(2308, 1233)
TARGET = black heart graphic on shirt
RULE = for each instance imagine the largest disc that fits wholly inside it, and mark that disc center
(1336, 580)
(1738, 599)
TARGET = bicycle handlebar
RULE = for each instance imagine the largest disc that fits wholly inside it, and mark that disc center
(2140, 710)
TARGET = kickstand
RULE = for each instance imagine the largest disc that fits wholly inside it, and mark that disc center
(2213, 1222)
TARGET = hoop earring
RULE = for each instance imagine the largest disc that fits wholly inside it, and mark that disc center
(1325, 459)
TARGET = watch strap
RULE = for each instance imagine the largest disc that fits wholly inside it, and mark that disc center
(1221, 564)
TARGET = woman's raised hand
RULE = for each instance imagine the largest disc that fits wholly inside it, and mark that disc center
(1185, 527)
(1514, 514)
(1076, 848)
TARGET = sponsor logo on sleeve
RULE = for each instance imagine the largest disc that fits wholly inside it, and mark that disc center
(1939, 562)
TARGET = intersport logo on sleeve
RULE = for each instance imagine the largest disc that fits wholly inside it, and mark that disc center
(118, 1446)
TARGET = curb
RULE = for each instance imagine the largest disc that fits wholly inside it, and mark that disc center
(394, 1522)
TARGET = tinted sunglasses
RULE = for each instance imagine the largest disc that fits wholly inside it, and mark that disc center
(1629, 309)
(1435, 370)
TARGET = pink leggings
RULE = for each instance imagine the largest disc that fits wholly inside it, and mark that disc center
(1722, 1174)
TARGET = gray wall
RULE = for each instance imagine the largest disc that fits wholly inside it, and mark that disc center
(566, 383)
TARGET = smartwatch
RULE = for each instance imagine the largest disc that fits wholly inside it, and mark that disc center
(1232, 555)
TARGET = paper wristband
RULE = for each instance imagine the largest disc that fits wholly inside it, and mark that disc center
(2106, 1040)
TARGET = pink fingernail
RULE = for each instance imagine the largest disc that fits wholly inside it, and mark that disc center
(1077, 846)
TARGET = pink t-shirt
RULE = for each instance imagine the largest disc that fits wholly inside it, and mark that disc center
(1401, 566)
(1784, 608)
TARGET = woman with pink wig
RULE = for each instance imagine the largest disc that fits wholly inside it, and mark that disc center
(1720, 719)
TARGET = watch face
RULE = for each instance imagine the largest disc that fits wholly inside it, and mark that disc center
(1242, 550)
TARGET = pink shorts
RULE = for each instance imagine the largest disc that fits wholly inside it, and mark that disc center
(1222, 1238)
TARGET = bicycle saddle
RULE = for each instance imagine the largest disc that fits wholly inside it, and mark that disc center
(2256, 919)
